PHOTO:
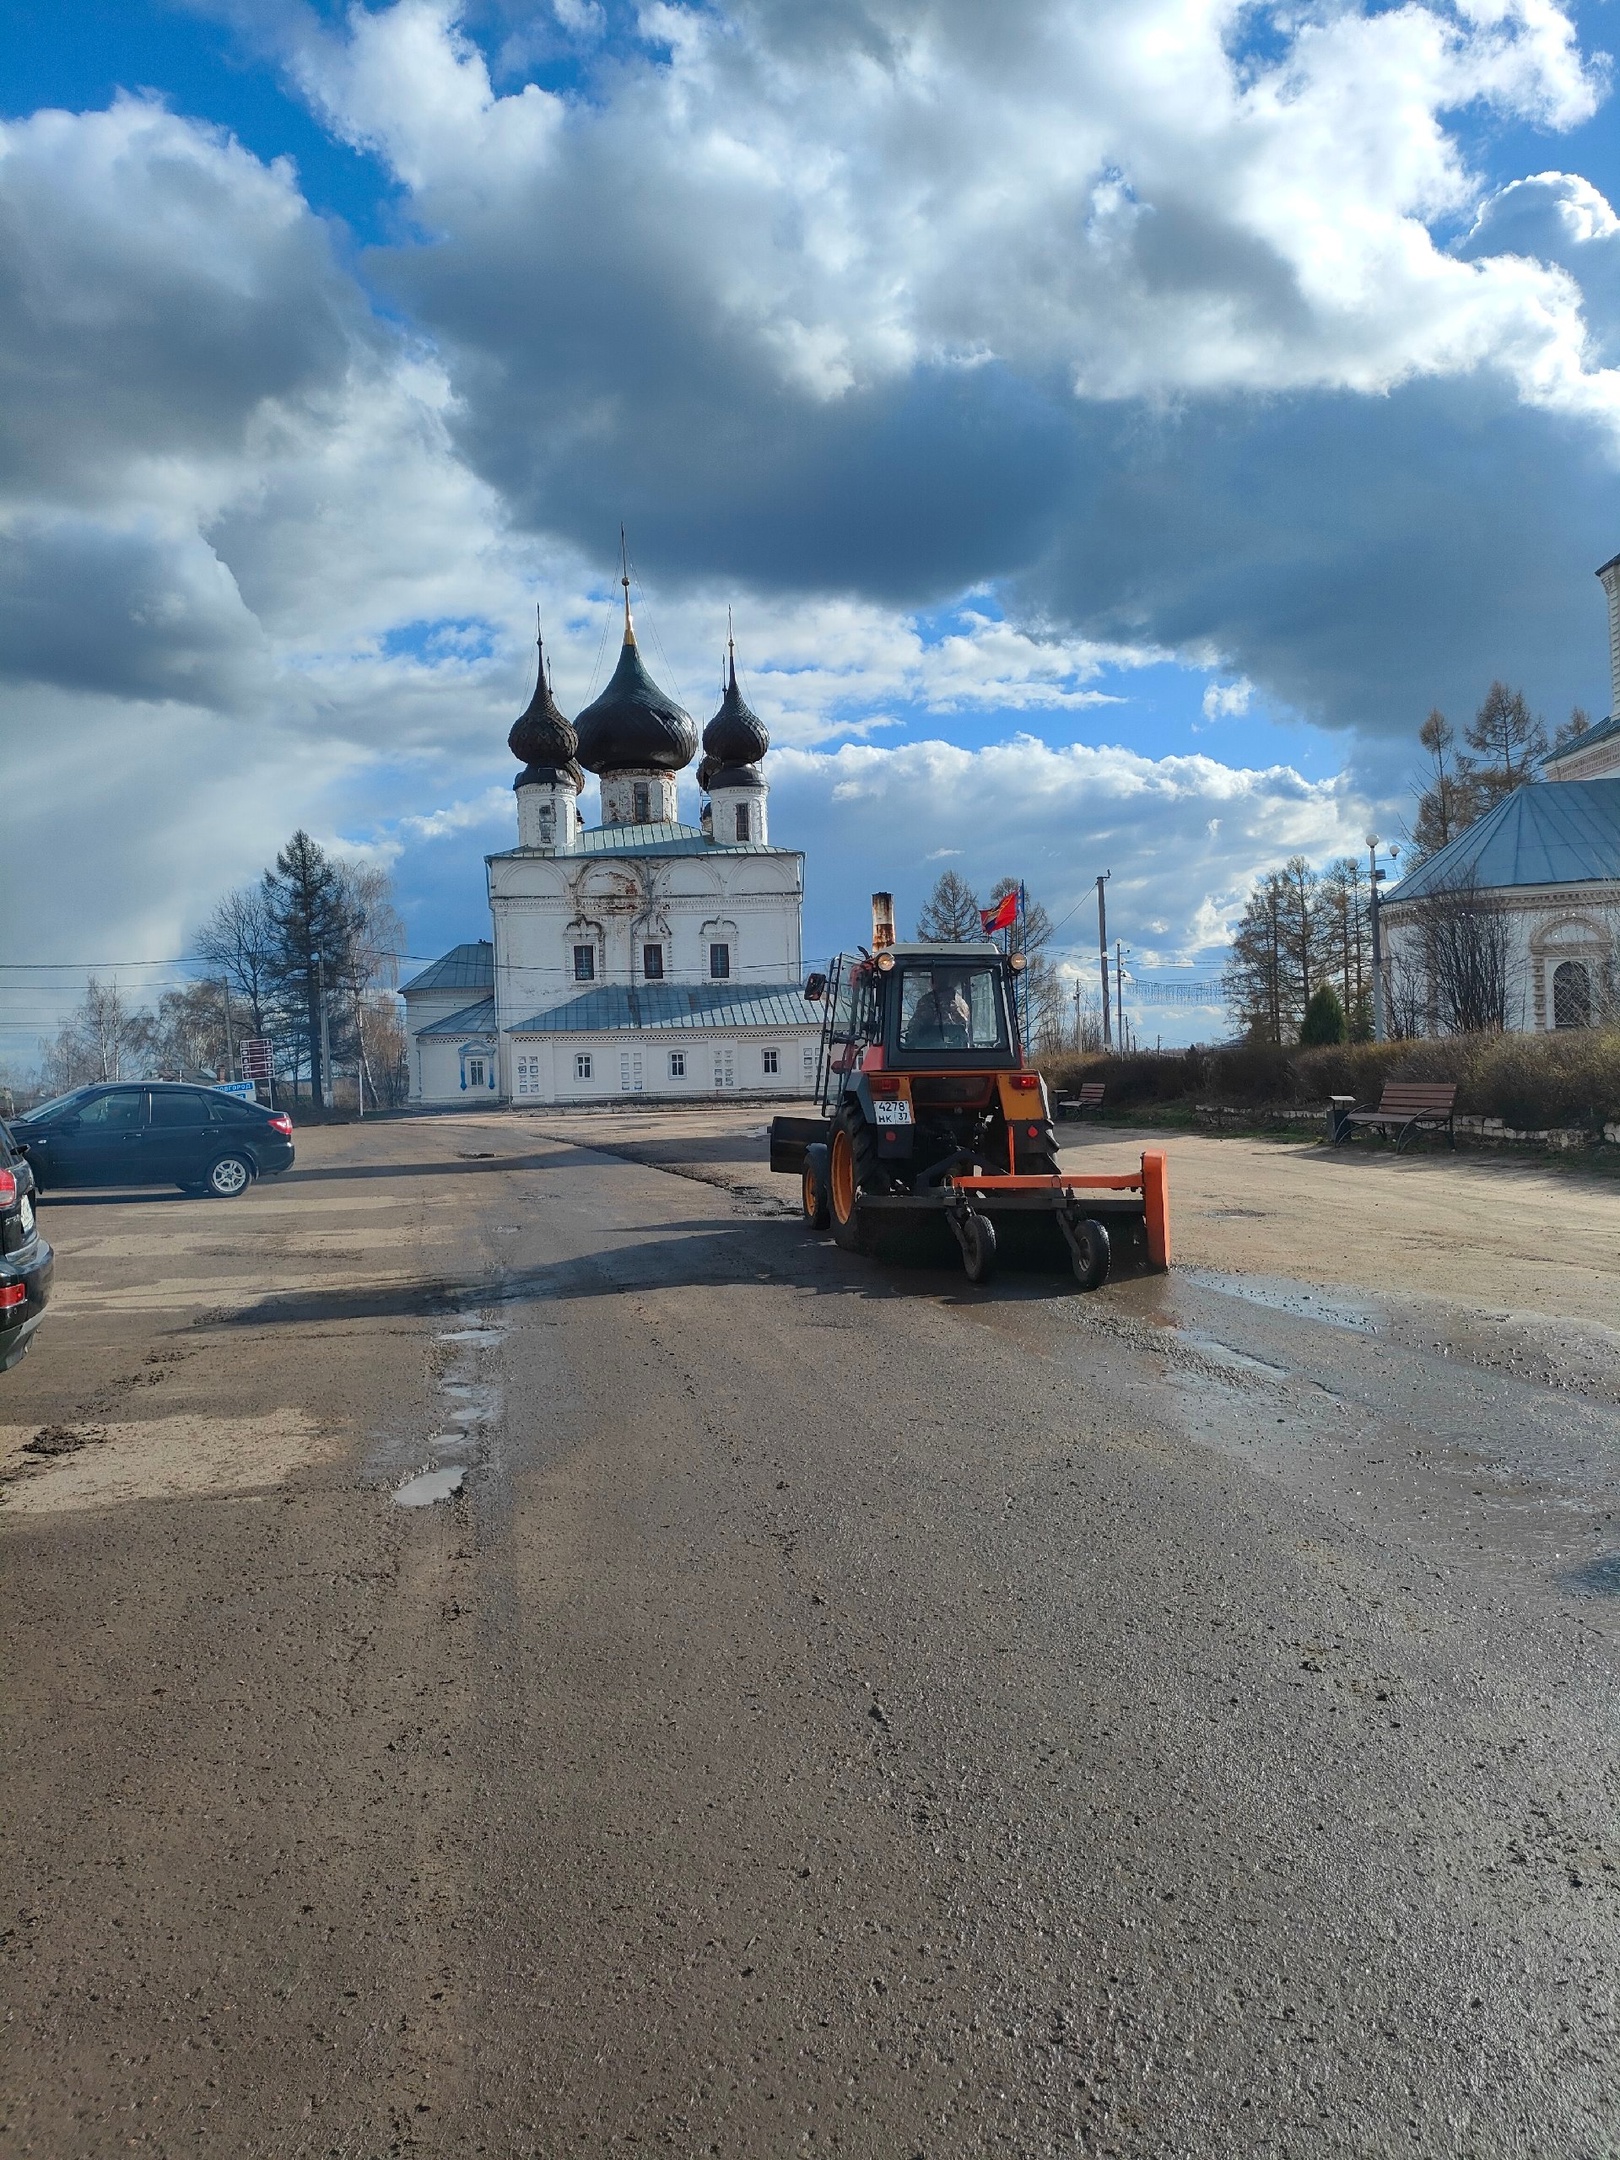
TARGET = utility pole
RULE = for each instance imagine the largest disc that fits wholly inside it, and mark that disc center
(326, 1032)
(1119, 990)
(1102, 951)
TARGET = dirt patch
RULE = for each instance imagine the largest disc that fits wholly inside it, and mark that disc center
(58, 1468)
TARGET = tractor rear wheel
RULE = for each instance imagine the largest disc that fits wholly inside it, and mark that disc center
(844, 1192)
(813, 1187)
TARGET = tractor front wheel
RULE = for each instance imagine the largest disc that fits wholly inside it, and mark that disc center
(813, 1187)
(844, 1192)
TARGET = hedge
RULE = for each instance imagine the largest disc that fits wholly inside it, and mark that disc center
(1571, 1078)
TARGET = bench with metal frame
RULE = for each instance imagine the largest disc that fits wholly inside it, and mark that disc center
(1090, 1097)
(1406, 1107)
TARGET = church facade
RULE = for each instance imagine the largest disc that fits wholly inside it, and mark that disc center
(640, 956)
(1547, 859)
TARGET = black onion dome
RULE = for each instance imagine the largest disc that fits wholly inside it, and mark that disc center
(543, 739)
(633, 726)
(736, 735)
(712, 775)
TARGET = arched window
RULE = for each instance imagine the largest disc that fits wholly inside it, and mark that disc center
(1572, 995)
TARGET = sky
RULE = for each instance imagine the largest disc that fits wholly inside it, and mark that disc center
(1112, 424)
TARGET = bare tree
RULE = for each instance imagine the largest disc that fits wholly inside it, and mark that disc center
(1464, 942)
(1508, 740)
(1345, 940)
(238, 942)
(1447, 801)
(102, 1039)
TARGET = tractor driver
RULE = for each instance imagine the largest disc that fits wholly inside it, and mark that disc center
(942, 1018)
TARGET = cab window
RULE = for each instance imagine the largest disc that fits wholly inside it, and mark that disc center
(945, 1008)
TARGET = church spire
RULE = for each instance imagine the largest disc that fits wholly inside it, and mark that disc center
(624, 580)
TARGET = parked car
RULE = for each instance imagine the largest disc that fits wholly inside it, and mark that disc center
(26, 1261)
(154, 1133)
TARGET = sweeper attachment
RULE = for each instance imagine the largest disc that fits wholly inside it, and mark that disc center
(929, 1115)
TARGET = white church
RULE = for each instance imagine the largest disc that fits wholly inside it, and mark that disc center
(1548, 856)
(640, 956)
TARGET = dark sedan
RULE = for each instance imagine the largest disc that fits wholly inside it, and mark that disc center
(26, 1261)
(154, 1133)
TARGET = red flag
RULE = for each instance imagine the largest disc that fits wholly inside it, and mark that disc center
(1002, 916)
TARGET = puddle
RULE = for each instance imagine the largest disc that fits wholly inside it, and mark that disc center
(1597, 1578)
(1287, 1297)
(485, 1337)
(430, 1485)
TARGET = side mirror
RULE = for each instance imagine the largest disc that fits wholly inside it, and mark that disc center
(815, 988)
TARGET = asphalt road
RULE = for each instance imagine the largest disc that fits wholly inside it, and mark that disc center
(840, 1711)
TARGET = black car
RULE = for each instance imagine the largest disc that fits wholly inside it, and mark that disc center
(26, 1261)
(154, 1133)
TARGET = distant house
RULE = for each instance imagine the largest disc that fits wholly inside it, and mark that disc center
(1548, 857)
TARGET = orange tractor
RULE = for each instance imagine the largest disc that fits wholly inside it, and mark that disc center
(928, 1111)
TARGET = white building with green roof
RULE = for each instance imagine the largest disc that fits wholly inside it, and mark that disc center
(641, 956)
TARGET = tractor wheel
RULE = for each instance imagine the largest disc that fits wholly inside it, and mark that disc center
(844, 1192)
(979, 1248)
(868, 1167)
(1092, 1253)
(813, 1188)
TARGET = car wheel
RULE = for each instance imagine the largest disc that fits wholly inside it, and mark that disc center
(230, 1177)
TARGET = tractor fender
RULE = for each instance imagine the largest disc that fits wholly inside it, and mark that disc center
(894, 1142)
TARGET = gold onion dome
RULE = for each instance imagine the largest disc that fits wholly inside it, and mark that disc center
(543, 739)
(735, 739)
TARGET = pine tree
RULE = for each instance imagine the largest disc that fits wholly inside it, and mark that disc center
(1324, 1020)
(1578, 723)
(314, 927)
(951, 912)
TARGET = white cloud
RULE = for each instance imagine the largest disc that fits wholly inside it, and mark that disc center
(1223, 700)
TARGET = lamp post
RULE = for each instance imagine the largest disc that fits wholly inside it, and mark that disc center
(1380, 1016)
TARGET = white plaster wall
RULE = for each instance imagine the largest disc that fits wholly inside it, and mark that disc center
(1546, 925)
(746, 1047)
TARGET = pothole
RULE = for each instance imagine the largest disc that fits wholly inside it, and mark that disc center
(430, 1485)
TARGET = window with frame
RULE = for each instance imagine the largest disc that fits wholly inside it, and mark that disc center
(652, 962)
(719, 963)
(475, 1072)
(528, 1076)
(548, 824)
(121, 1111)
(743, 832)
(725, 1069)
(768, 1059)
(641, 801)
(677, 1064)
(584, 963)
(178, 1107)
(583, 1068)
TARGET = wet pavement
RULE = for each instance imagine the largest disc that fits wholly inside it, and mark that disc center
(829, 1708)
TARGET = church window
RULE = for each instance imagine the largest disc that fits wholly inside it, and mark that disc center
(719, 962)
(809, 1062)
(584, 963)
(630, 1072)
(725, 1066)
(475, 1072)
(528, 1076)
(652, 962)
(641, 801)
(582, 1065)
(1572, 995)
(742, 822)
(768, 1058)
(548, 824)
(677, 1064)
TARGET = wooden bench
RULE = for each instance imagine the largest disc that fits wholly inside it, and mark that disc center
(1090, 1097)
(1406, 1105)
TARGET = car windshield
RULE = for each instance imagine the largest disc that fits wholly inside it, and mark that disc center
(44, 1110)
(951, 1008)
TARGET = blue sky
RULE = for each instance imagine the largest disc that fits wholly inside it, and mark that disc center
(1114, 426)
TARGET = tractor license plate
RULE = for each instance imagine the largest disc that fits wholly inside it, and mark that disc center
(891, 1113)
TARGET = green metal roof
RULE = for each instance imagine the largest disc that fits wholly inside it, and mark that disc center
(463, 967)
(1551, 832)
(651, 840)
(675, 1005)
(476, 1019)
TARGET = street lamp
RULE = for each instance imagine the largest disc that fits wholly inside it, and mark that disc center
(1380, 1017)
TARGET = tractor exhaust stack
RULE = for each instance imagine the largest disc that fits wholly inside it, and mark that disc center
(882, 921)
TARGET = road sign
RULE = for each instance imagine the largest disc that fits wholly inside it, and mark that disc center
(256, 1058)
(244, 1088)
